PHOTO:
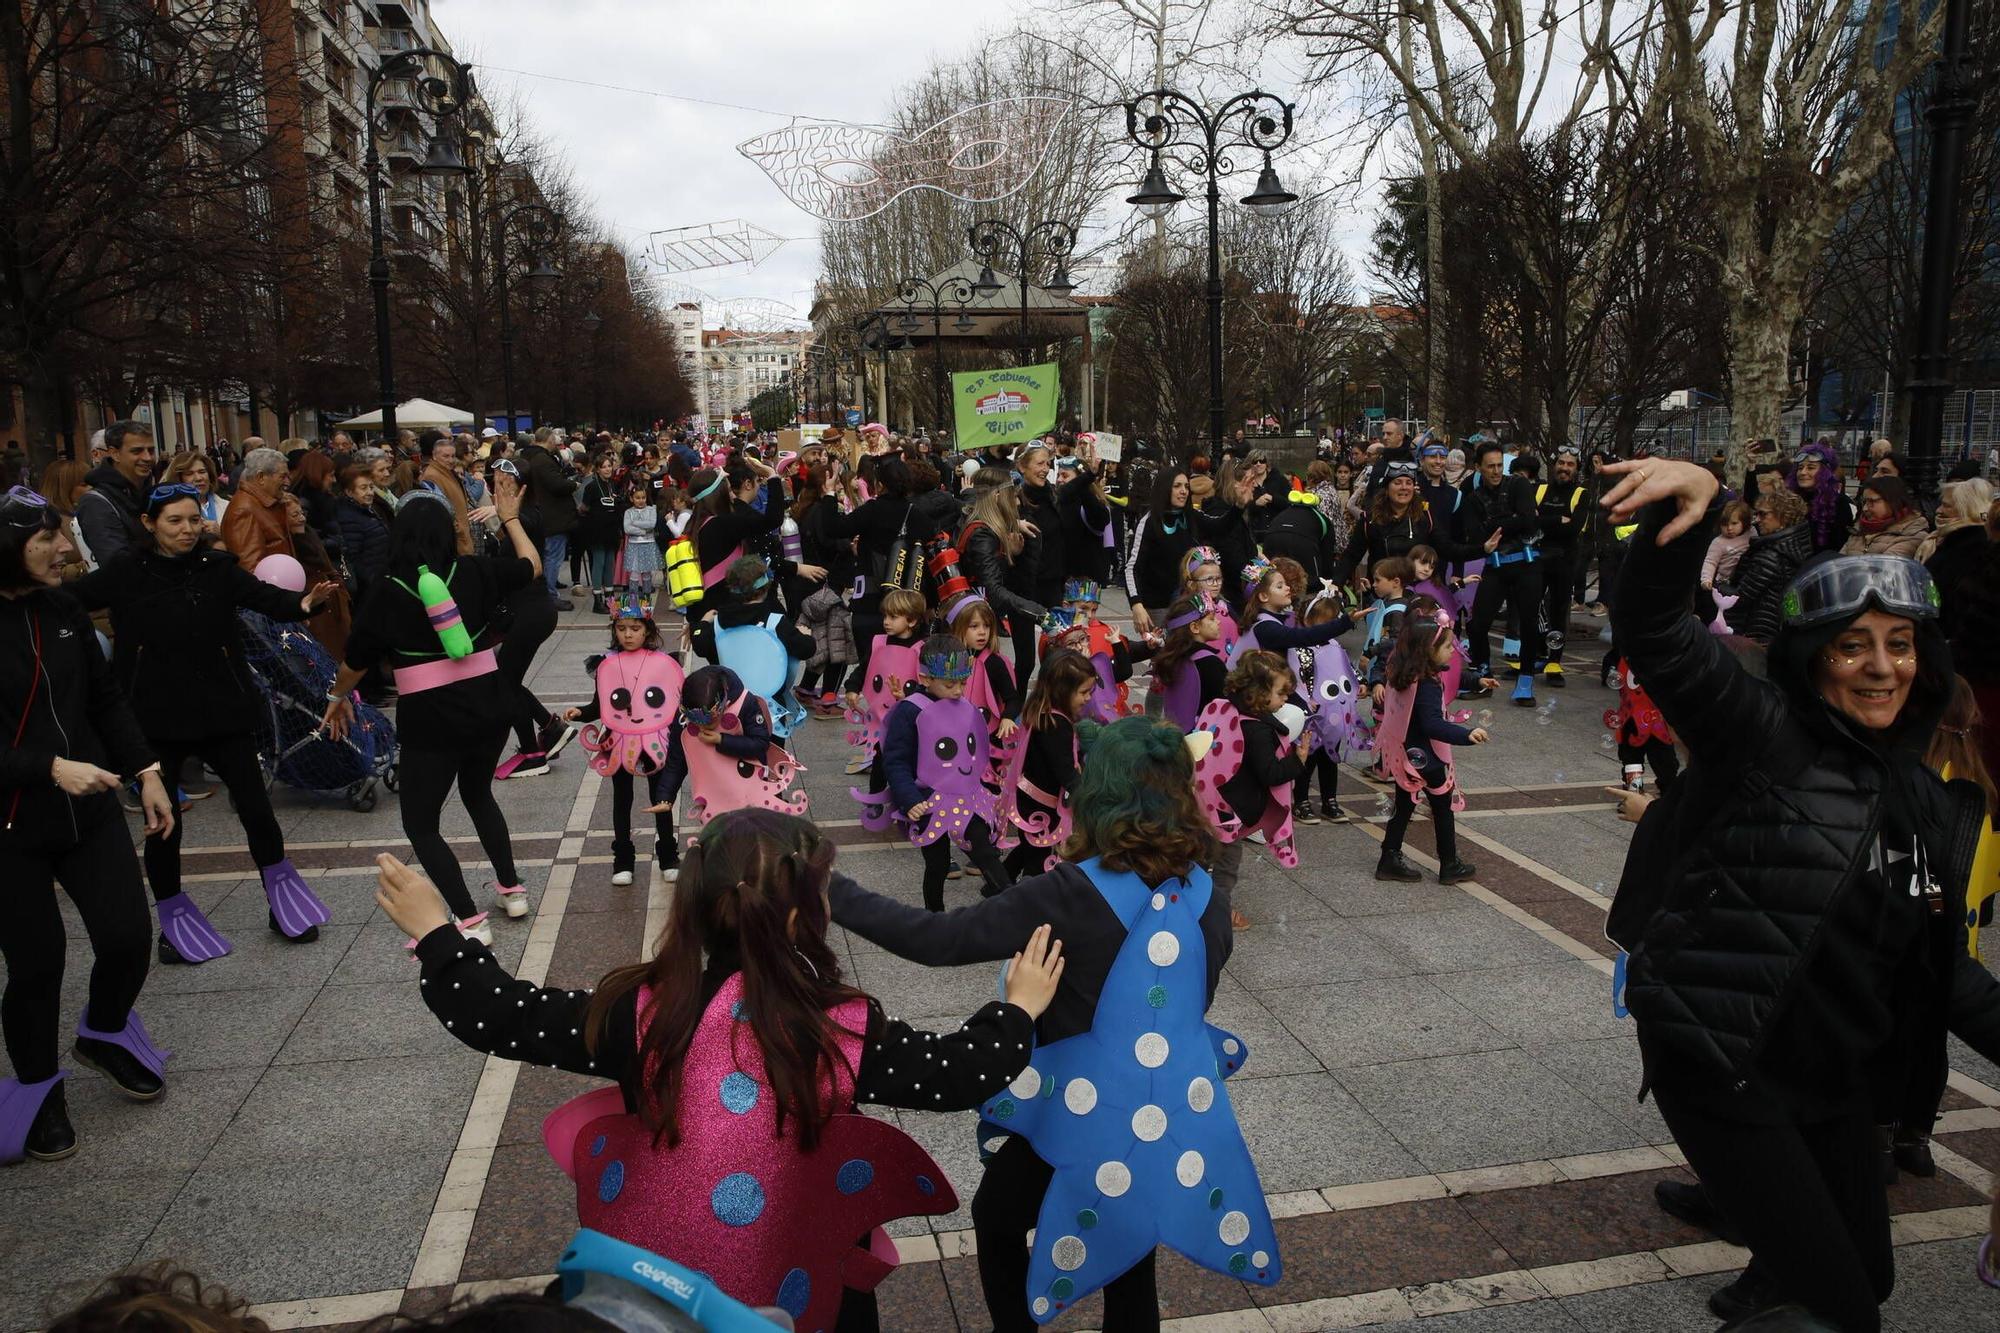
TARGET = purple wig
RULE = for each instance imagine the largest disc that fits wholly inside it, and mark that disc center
(1823, 500)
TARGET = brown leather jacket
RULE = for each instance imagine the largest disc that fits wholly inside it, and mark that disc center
(252, 529)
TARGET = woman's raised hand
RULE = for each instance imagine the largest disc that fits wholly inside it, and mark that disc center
(507, 505)
(1035, 972)
(1641, 481)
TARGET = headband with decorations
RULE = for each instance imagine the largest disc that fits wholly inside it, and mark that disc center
(1202, 611)
(965, 602)
(1254, 572)
(630, 606)
(952, 664)
(1201, 555)
(1083, 590)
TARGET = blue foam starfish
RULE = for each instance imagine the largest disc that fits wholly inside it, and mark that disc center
(1135, 1118)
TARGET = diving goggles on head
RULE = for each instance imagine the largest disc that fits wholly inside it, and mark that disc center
(1844, 586)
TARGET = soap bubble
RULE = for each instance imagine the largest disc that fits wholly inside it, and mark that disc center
(1485, 717)
(1607, 742)
(1560, 775)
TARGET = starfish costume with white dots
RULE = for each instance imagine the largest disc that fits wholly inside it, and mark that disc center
(1134, 1115)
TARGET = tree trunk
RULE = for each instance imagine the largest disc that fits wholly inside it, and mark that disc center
(1759, 336)
(42, 416)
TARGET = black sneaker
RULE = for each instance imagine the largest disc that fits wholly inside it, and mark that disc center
(1455, 871)
(1476, 691)
(51, 1137)
(553, 735)
(1330, 811)
(120, 1066)
(1393, 867)
(1691, 1204)
(1555, 680)
(598, 607)
(1303, 813)
(1744, 1297)
(1914, 1155)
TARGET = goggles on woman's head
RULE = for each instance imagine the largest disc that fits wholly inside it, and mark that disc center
(23, 508)
(506, 465)
(1845, 586)
(1399, 468)
(1432, 451)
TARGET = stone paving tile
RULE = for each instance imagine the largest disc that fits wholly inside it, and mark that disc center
(118, 1138)
(1581, 921)
(365, 1022)
(914, 1297)
(260, 961)
(1337, 1254)
(1935, 1289)
(1607, 1072)
(526, 1216)
(1979, 1145)
(962, 1278)
(350, 1108)
(268, 1231)
(225, 1029)
(349, 898)
(902, 984)
(1472, 938)
(66, 1233)
(593, 944)
(1914, 1194)
(1564, 1001)
(1462, 1111)
(1311, 950)
(1652, 1307)
(1273, 1049)
(1373, 1022)
(1573, 1220)
(949, 1139)
(539, 1090)
(1357, 893)
(1306, 1132)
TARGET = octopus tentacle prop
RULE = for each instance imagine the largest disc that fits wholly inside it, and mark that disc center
(952, 762)
(721, 783)
(638, 694)
(1222, 762)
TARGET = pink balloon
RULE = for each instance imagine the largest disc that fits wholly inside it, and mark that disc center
(282, 571)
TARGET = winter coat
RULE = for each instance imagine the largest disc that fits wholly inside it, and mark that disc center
(364, 540)
(551, 487)
(1756, 894)
(1901, 537)
(108, 514)
(984, 560)
(1305, 533)
(1960, 551)
(1081, 519)
(78, 712)
(1761, 578)
(597, 527)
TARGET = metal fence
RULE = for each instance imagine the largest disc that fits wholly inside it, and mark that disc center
(1971, 426)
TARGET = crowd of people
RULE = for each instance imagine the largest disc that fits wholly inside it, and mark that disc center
(1774, 645)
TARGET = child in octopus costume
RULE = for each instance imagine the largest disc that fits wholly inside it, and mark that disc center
(629, 725)
(1642, 734)
(875, 686)
(1244, 781)
(1110, 653)
(934, 753)
(1121, 1136)
(1267, 615)
(1201, 576)
(990, 688)
(728, 1141)
(1326, 681)
(724, 751)
(1415, 739)
(1040, 763)
(1189, 670)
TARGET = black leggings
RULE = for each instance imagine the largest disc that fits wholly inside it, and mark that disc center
(426, 778)
(1810, 1203)
(101, 876)
(534, 621)
(1321, 764)
(979, 844)
(1441, 819)
(1007, 1204)
(1519, 584)
(622, 850)
(234, 759)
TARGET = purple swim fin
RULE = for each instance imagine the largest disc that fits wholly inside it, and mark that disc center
(20, 1103)
(188, 934)
(296, 911)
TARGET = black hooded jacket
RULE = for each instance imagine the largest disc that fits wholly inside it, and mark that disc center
(1767, 566)
(1774, 973)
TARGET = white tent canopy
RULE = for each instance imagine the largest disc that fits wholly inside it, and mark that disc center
(415, 415)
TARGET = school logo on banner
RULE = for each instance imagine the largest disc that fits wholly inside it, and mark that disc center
(1008, 406)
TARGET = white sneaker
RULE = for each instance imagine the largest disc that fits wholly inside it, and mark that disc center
(621, 877)
(514, 901)
(668, 874)
(477, 928)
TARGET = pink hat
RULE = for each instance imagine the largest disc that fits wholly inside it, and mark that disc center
(874, 428)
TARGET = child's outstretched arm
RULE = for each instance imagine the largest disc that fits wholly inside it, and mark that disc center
(475, 998)
(954, 1071)
(985, 932)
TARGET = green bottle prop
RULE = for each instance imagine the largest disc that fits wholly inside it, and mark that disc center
(443, 611)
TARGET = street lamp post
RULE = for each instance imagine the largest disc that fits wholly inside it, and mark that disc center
(988, 239)
(1257, 121)
(545, 225)
(441, 95)
(1953, 99)
(955, 291)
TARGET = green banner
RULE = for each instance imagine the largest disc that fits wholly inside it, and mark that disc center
(1009, 406)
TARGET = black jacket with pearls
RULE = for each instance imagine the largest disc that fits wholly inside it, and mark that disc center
(490, 1011)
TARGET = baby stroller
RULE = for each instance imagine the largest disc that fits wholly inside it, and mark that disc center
(296, 674)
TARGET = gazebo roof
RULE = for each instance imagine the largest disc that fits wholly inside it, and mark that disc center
(997, 314)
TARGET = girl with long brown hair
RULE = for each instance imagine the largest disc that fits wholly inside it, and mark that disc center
(737, 1048)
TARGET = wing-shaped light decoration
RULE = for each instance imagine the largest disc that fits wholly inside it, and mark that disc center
(841, 173)
(712, 245)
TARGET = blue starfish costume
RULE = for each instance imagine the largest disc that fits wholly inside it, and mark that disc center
(1134, 1116)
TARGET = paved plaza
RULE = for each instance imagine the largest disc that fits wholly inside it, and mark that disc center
(1439, 1099)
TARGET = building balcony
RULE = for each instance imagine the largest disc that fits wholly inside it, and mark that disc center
(403, 147)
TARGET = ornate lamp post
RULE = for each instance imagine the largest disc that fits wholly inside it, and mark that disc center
(956, 292)
(442, 95)
(1953, 100)
(1257, 121)
(990, 237)
(544, 227)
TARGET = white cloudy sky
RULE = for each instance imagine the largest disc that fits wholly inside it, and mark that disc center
(651, 163)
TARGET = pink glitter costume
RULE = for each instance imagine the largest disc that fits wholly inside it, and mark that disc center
(1219, 765)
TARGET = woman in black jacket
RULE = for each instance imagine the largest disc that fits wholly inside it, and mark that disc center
(877, 526)
(364, 537)
(72, 743)
(597, 527)
(1399, 520)
(992, 553)
(1083, 514)
(177, 653)
(1170, 531)
(727, 524)
(1794, 908)
(1783, 542)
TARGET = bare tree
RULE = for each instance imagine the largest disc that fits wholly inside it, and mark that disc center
(1301, 317)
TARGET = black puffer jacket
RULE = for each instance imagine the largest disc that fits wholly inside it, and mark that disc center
(1750, 898)
(1767, 566)
(550, 488)
(364, 541)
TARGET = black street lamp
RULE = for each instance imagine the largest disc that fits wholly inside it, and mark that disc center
(544, 227)
(989, 237)
(1952, 102)
(956, 292)
(1258, 121)
(442, 95)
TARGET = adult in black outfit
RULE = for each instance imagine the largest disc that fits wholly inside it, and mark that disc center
(1396, 520)
(1502, 505)
(1794, 908)
(72, 743)
(1051, 510)
(451, 715)
(530, 619)
(877, 526)
(177, 653)
(727, 523)
(1083, 513)
(1171, 530)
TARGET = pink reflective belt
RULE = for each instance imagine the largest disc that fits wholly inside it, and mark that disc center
(444, 671)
